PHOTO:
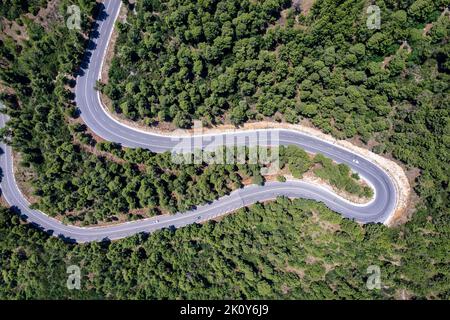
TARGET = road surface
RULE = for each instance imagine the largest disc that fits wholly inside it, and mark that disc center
(101, 122)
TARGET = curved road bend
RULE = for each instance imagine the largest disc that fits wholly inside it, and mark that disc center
(95, 116)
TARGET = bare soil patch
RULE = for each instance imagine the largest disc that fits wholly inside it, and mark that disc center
(297, 271)
(13, 30)
(305, 5)
(45, 17)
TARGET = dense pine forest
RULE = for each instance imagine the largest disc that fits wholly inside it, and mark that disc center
(12, 9)
(283, 250)
(230, 61)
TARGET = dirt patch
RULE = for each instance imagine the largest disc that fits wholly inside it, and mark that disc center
(311, 260)
(48, 15)
(386, 61)
(283, 17)
(3, 202)
(45, 17)
(6, 90)
(427, 28)
(297, 271)
(305, 5)
(403, 294)
(13, 30)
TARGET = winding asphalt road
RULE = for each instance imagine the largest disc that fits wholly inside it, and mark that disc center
(101, 122)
